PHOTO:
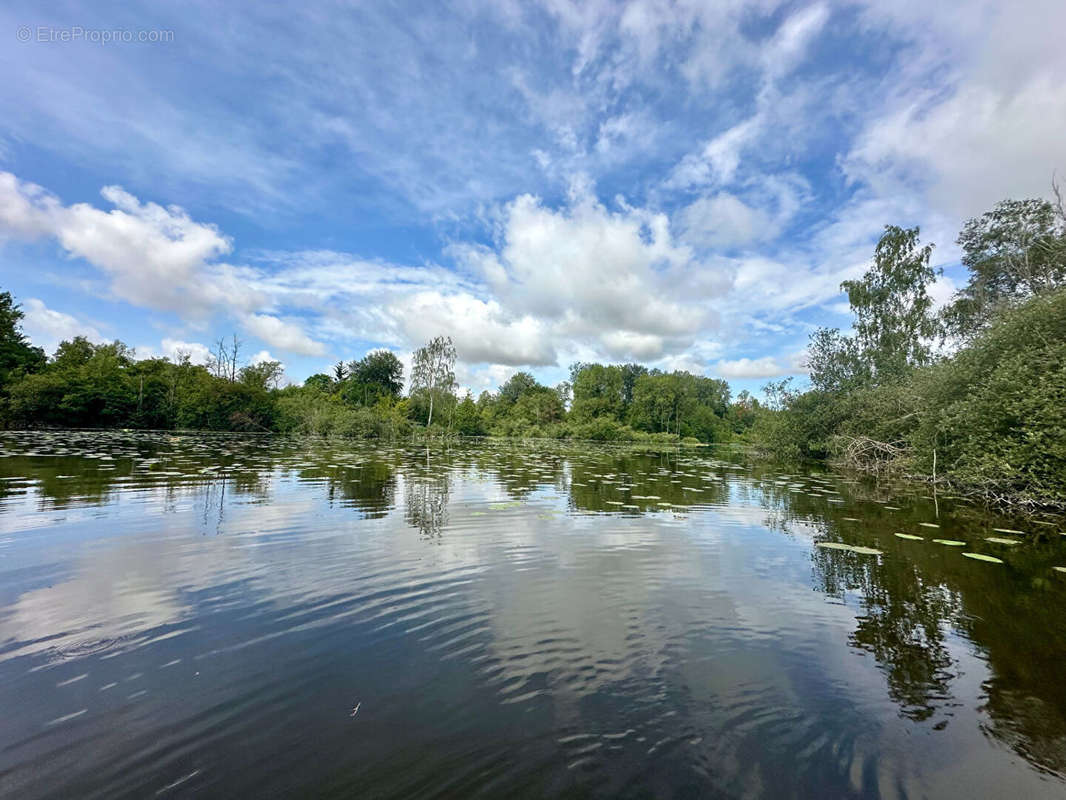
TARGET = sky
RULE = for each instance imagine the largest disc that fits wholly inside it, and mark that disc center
(684, 184)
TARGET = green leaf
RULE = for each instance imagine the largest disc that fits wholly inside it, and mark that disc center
(866, 551)
(983, 557)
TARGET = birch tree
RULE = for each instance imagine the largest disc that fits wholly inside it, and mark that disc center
(433, 370)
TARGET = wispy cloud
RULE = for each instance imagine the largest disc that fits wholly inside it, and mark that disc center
(681, 183)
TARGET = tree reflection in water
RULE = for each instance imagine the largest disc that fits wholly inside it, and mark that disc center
(915, 606)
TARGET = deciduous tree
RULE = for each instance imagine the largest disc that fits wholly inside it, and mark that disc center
(433, 370)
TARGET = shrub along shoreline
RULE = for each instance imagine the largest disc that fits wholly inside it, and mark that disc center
(972, 397)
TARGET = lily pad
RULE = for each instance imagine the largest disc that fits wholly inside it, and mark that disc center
(928, 524)
(950, 542)
(866, 551)
(1009, 530)
(998, 540)
(983, 557)
(911, 536)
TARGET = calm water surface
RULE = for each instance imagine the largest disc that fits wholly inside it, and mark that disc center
(197, 616)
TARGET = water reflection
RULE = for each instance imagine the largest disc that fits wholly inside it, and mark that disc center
(205, 611)
(425, 497)
(904, 624)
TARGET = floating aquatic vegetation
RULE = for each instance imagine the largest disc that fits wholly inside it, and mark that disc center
(866, 551)
(911, 536)
(983, 557)
(929, 524)
(950, 542)
(1009, 530)
(999, 540)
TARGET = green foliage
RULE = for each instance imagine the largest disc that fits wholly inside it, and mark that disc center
(1015, 251)
(836, 362)
(17, 356)
(597, 392)
(308, 410)
(631, 373)
(743, 413)
(638, 400)
(90, 385)
(433, 376)
(660, 401)
(516, 386)
(994, 413)
(264, 375)
(894, 321)
(378, 374)
(600, 429)
(605, 429)
(680, 403)
(894, 324)
(522, 408)
(321, 382)
(86, 385)
(540, 406)
(468, 419)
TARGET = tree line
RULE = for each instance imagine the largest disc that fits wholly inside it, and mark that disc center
(973, 394)
(90, 385)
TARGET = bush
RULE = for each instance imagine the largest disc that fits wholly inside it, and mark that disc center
(995, 413)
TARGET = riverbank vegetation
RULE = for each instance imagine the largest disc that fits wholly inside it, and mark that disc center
(972, 396)
(89, 385)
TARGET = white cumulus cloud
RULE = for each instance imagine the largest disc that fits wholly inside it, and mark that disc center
(47, 327)
(765, 367)
(282, 334)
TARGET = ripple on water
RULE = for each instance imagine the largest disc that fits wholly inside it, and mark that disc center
(204, 616)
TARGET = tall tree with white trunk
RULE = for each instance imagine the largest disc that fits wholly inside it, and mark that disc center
(433, 370)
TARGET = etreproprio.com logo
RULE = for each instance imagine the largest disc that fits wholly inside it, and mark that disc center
(50, 34)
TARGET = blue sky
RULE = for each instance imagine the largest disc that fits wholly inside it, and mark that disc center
(683, 184)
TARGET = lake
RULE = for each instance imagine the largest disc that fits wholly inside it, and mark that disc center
(227, 616)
